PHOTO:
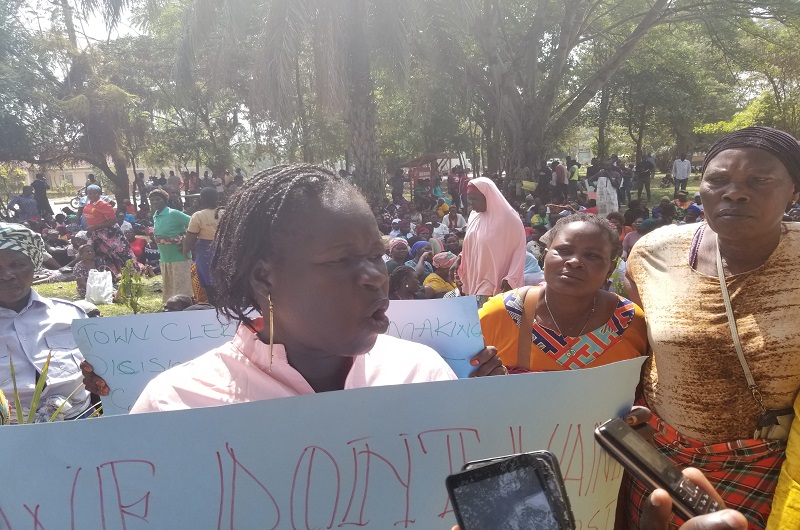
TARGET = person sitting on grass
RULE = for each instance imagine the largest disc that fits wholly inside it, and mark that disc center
(87, 261)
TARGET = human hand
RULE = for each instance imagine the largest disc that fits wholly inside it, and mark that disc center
(93, 382)
(487, 363)
(658, 510)
(639, 419)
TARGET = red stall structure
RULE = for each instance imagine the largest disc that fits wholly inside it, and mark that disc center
(430, 165)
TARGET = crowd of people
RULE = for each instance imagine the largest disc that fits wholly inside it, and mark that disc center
(169, 234)
(705, 288)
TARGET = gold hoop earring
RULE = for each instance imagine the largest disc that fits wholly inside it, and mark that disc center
(271, 330)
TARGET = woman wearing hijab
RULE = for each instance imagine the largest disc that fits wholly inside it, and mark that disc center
(723, 374)
(493, 255)
(107, 239)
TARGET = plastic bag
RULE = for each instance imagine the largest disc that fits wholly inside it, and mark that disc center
(99, 287)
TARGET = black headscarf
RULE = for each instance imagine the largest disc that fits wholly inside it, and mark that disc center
(781, 145)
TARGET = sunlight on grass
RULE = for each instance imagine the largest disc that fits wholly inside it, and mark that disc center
(150, 300)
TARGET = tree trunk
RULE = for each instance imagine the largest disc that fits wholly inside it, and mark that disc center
(362, 112)
(492, 151)
(305, 144)
(602, 122)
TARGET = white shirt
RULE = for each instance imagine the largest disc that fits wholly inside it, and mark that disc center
(441, 231)
(125, 226)
(460, 221)
(681, 169)
(240, 371)
(43, 326)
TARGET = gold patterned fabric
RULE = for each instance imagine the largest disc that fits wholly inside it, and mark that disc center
(693, 379)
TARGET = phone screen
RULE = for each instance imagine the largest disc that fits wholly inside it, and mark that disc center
(514, 500)
(651, 458)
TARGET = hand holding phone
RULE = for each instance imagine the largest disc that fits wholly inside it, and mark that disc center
(657, 510)
(655, 470)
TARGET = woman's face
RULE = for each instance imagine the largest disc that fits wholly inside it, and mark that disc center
(452, 244)
(424, 234)
(400, 253)
(427, 249)
(330, 294)
(87, 253)
(745, 193)
(16, 277)
(477, 201)
(578, 260)
(157, 202)
(93, 195)
(637, 223)
(412, 284)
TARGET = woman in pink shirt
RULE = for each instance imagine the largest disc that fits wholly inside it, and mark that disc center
(322, 303)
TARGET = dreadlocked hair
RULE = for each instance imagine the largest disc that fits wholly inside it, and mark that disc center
(253, 221)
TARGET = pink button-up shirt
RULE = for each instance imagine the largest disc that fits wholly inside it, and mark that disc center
(239, 372)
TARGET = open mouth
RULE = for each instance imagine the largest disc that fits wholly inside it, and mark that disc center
(378, 320)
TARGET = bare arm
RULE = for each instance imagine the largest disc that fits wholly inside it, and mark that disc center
(189, 244)
(632, 290)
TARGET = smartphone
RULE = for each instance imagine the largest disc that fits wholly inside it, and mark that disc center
(652, 468)
(511, 492)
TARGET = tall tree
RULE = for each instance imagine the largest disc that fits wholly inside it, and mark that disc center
(523, 58)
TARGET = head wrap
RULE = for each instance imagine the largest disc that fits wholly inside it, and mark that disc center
(422, 228)
(93, 187)
(394, 243)
(648, 225)
(531, 264)
(22, 239)
(472, 188)
(395, 221)
(779, 144)
(83, 234)
(437, 245)
(416, 248)
(444, 260)
(161, 193)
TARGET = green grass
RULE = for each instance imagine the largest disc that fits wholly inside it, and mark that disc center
(151, 301)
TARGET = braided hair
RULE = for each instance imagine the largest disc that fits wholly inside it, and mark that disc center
(255, 222)
(608, 230)
(398, 278)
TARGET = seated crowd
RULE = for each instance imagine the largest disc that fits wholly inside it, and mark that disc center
(705, 288)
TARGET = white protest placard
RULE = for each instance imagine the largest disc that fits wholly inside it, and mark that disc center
(130, 351)
(372, 457)
(448, 325)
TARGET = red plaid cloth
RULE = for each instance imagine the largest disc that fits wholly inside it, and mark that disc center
(744, 472)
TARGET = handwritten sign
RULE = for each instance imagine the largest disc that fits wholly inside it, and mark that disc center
(373, 457)
(130, 351)
(448, 325)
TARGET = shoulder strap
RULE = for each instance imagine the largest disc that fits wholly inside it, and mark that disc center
(525, 327)
(751, 383)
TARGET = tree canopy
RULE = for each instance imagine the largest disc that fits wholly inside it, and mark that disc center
(368, 83)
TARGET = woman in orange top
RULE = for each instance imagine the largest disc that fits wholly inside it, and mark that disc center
(106, 237)
(575, 323)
